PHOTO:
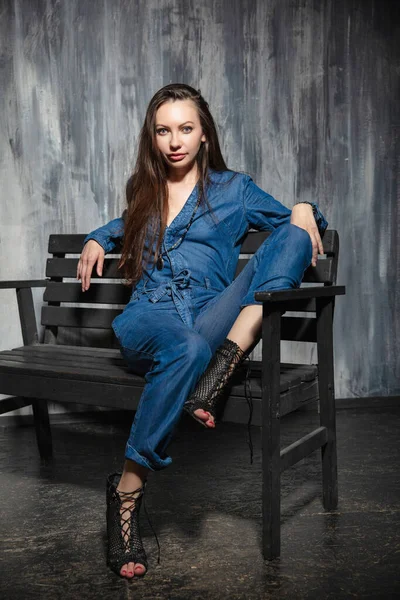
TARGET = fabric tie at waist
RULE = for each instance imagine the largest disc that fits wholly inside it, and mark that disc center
(174, 287)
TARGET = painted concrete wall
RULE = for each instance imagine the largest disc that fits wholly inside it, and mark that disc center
(305, 94)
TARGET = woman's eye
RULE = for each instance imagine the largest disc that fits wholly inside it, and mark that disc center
(163, 130)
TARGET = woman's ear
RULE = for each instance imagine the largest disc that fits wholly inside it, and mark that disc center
(203, 138)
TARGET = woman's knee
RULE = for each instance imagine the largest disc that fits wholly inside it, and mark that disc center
(293, 231)
(194, 350)
(296, 237)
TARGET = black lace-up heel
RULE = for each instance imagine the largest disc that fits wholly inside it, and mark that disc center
(211, 384)
(124, 540)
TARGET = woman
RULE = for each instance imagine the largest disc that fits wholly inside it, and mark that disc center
(187, 324)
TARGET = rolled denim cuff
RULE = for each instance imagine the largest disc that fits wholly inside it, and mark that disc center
(320, 220)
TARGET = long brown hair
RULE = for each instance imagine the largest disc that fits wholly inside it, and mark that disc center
(147, 190)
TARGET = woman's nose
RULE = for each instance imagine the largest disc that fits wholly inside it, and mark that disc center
(175, 141)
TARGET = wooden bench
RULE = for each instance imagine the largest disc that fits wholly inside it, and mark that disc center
(52, 371)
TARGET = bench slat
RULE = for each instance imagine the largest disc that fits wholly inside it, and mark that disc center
(109, 293)
(66, 267)
(293, 328)
(89, 353)
(95, 318)
(117, 395)
(93, 361)
(66, 243)
(322, 273)
(287, 380)
(111, 394)
(68, 364)
(67, 371)
(254, 239)
(117, 293)
(306, 372)
(37, 360)
(237, 410)
(73, 244)
(83, 351)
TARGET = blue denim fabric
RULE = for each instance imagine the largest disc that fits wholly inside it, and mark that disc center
(177, 317)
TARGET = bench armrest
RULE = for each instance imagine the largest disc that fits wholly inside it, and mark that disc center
(300, 294)
(23, 289)
(23, 283)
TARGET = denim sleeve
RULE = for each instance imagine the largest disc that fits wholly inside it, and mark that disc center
(108, 235)
(265, 213)
(262, 211)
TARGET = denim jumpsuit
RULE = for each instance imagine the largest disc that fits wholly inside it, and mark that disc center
(178, 316)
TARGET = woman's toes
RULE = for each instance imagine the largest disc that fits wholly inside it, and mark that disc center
(130, 570)
(202, 414)
(139, 569)
(205, 416)
(209, 419)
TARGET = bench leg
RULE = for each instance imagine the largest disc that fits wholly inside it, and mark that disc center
(42, 427)
(270, 434)
(327, 401)
(271, 493)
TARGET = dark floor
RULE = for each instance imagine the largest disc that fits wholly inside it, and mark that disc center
(206, 510)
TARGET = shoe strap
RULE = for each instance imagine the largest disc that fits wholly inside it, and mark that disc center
(134, 497)
(153, 530)
(249, 399)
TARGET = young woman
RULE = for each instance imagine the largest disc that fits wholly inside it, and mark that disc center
(188, 323)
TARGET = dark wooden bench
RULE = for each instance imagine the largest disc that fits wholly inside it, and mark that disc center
(71, 372)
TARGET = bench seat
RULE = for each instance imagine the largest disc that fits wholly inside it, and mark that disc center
(60, 366)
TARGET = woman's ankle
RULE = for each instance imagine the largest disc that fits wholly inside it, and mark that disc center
(246, 329)
(133, 477)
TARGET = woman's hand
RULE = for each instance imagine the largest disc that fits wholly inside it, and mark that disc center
(92, 253)
(302, 216)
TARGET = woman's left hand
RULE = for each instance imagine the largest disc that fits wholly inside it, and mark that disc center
(302, 216)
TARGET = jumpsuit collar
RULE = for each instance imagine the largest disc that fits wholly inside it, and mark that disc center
(184, 214)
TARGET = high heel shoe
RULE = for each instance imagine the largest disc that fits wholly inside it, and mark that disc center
(124, 540)
(211, 384)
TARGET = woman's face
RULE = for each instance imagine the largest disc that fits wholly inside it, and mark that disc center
(178, 133)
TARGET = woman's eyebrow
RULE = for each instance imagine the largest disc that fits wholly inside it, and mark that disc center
(161, 125)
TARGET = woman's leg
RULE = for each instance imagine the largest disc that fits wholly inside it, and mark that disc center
(171, 356)
(178, 356)
(158, 345)
(278, 264)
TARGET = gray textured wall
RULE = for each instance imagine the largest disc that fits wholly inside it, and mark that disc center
(306, 97)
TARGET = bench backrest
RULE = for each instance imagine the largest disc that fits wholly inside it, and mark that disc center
(67, 305)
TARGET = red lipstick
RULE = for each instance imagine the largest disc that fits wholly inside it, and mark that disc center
(176, 156)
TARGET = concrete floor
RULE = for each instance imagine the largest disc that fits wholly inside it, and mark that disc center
(206, 511)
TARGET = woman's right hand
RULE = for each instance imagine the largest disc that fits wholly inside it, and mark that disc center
(92, 253)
